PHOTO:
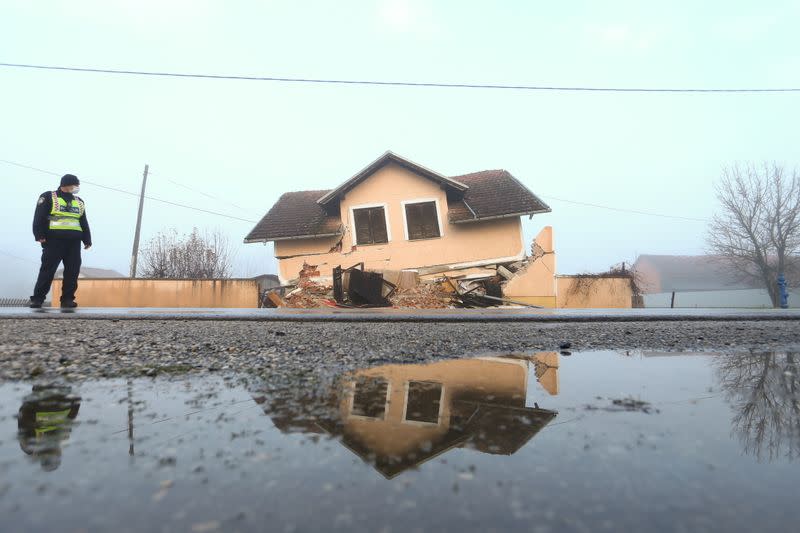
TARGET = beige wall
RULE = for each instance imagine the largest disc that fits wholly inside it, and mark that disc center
(391, 185)
(577, 292)
(122, 292)
(537, 283)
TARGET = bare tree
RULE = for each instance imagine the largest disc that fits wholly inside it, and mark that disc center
(757, 231)
(197, 255)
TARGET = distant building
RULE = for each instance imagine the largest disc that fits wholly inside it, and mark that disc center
(94, 273)
(698, 281)
(267, 281)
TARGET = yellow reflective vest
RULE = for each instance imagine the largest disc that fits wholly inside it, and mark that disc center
(65, 217)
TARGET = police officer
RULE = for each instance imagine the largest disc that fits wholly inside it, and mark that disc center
(59, 225)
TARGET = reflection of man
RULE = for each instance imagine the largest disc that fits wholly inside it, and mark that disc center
(45, 421)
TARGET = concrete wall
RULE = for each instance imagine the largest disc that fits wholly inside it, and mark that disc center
(115, 292)
(390, 186)
(576, 292)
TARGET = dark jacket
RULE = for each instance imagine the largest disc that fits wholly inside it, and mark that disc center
(41, 220)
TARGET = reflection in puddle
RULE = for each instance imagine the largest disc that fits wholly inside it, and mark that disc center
(634, 442)
(764, 390)
(45, 421)
(397, 417)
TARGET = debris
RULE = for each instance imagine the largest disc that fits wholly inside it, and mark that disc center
(362, 288)
(503, 271)
(273, 299)
(425, 296)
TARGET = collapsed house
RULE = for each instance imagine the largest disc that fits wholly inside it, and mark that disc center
(397, 233)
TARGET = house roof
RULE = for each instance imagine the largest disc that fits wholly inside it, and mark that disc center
(474, 197)
(493, 194)
(296, 215)
(89, 272)
(386, 158)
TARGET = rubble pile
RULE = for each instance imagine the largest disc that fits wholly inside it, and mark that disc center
(357, 287)
(309, 295)
(423, 296)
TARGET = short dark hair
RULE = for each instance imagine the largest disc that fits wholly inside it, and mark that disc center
(69, 179)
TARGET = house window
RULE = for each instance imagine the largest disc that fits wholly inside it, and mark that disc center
(423, 402)
(370, 225)
(422, 221)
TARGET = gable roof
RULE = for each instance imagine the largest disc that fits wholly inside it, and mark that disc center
(89, 272)
(295, 215)
(485, 195)
(493, 194)
(385, 159)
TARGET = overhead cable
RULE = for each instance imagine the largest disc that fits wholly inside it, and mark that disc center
(136, 195)
(329, 81)
(623, 209)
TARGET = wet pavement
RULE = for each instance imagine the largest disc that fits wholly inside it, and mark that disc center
(508, 314)
(591, 441)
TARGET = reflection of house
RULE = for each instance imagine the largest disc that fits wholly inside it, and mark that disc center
(396, 214)
(399, 416)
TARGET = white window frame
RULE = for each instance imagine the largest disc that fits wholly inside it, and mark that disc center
(385, 207)
(352, 398)
(405, 405)
(404, 203)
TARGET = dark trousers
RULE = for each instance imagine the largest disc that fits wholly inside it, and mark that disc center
(55, 251)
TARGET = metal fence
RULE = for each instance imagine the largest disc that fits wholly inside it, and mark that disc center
(14, 302)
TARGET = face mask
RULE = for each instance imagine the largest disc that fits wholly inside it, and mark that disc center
(76, 190)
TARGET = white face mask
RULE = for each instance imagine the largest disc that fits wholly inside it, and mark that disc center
(76, 190)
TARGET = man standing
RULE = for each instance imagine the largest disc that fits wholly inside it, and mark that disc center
(59, 225)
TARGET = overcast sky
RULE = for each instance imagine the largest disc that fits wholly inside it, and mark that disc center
(247, 142)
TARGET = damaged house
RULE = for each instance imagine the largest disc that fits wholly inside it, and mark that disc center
(460, 235)
(396, 215)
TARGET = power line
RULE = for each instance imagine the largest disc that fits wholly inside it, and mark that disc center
(18, 257)
(198, 191)
(585, 204)
(129, 193)
(555, 88)
(624, 210)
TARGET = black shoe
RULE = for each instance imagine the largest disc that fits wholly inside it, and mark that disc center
(35, 304)
(69, 305)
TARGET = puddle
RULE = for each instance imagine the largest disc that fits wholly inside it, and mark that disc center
(546, 442)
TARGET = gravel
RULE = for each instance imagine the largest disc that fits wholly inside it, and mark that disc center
(82, 349)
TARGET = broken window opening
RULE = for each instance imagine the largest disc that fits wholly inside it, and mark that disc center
(370, 225)
(370, 398)
(423, 402)
(422, 221)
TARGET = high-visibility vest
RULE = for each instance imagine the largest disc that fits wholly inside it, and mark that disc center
(65, 217)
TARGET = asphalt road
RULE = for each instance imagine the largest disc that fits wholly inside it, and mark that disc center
(80, 348)
(406, 315)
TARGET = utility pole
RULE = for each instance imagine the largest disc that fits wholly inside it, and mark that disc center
(135, 254)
